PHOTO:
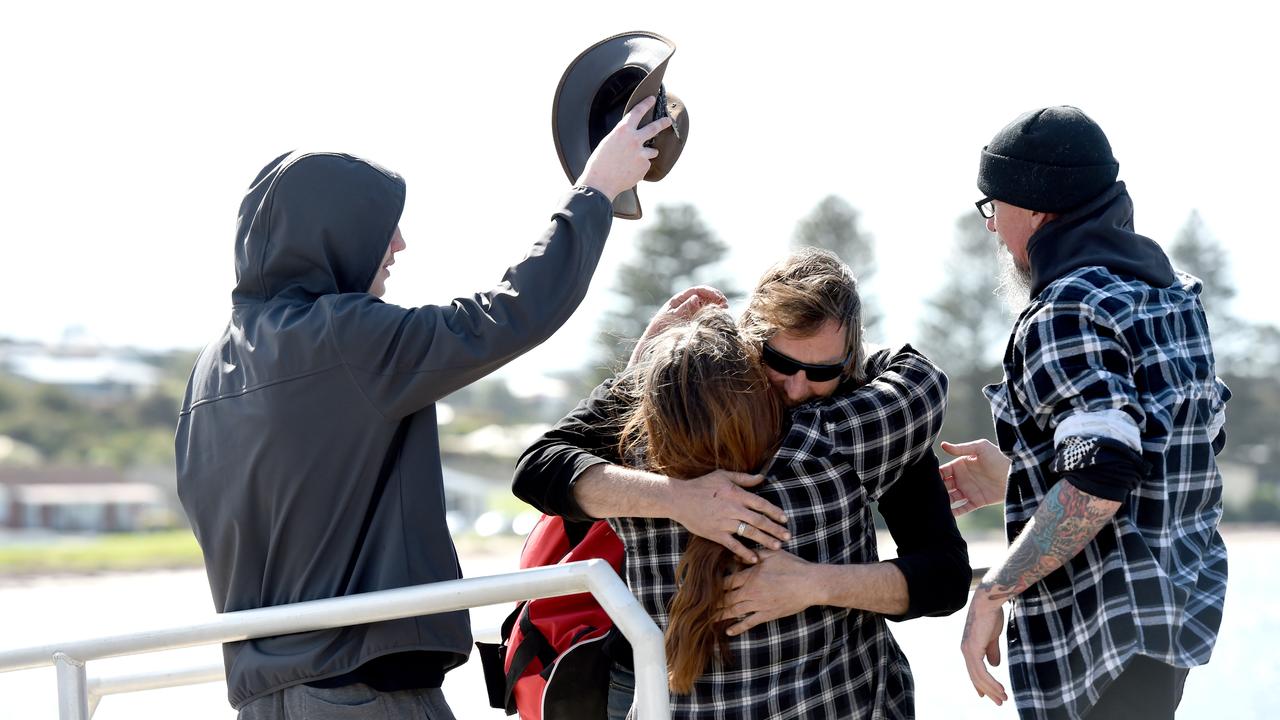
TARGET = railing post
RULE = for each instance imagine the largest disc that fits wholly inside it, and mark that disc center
(73, 688)
(652, 698)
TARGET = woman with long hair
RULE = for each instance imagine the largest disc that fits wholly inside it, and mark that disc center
(698, 399)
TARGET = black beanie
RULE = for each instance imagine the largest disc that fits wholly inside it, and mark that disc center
(1053, 160)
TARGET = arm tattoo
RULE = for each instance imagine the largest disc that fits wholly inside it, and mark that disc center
(1065, 522)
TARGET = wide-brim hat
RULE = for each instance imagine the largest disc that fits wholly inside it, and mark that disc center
(603, 84)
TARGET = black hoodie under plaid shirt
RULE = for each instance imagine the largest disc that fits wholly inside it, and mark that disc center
(837, 457)
(1153, 580)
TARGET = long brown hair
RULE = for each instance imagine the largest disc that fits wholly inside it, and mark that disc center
(700, 401)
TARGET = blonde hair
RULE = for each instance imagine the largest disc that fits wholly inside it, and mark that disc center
(800, 294)
(700, 401)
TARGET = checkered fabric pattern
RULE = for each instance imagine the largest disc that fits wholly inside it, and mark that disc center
(1076, 453)
(838, 456)
(1153, 581)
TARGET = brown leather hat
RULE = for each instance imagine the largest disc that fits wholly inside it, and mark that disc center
(599, 87)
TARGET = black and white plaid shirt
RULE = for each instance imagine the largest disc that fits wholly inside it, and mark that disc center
(838, 456)
(1153, 580)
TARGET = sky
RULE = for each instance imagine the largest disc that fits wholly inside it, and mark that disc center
(131, 130)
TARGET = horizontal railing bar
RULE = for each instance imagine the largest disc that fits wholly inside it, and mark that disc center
(321, 614)
(127, 682)
(116, 683)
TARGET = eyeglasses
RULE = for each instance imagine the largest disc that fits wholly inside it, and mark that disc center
(986, 207)
(788, 366)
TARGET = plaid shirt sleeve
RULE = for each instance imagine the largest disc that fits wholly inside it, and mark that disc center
(1076, 360)
(887, 424)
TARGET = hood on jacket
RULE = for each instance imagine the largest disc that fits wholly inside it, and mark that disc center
(314, 224)
(1099, 233)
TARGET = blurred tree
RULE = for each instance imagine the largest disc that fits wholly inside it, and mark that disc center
(833, 225)
(965, 326)
(675, 252)
(1195, 250)
(490, 401)
(1248, 355)
(54, 399)
(964, 330)
(66, 426)
(8, 395)
(157, 409)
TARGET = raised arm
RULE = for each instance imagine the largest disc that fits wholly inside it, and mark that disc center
(404, 359)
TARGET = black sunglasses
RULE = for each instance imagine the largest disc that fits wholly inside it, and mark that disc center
(788, 366)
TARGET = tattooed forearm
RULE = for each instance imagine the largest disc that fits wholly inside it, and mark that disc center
(1066, 521)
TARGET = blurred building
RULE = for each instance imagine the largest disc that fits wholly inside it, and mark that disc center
(75, 499)
(90, 372)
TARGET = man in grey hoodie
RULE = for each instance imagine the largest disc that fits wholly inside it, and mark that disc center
(307, 453)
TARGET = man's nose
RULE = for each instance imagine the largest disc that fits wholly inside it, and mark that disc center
(991, 224)
(797, 387)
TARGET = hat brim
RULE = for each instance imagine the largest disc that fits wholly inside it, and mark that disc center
(570, 113)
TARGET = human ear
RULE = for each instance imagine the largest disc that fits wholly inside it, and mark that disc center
(1040, 219)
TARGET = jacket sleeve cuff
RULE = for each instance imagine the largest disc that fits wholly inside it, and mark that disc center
(572, 509)
(588, 200)
(914, 590)
(936, 586)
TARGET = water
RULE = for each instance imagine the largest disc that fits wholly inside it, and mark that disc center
(1242, 681)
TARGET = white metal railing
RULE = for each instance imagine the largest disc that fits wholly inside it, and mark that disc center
(75, 688)
(101, 685)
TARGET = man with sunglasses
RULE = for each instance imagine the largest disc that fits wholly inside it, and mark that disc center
(806, 313)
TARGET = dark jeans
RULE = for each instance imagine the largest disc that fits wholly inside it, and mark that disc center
(349, 702)
(1146, 690)
(622, 692)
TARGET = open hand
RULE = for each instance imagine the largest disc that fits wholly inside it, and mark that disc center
(981, 641)
(977, 477)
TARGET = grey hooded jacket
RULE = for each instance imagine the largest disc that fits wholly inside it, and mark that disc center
(307, 453)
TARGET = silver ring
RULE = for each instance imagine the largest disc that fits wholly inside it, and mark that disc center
(742, 528)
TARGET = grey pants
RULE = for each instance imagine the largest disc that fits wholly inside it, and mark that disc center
(349, 702)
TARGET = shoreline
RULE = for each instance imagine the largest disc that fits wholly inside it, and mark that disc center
(505, 549)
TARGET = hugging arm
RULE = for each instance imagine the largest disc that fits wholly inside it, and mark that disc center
(932, 555)
(882, 427)
(574, 471)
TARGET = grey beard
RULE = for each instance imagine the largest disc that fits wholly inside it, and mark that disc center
(1013, 284)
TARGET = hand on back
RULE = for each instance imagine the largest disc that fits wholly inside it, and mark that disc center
(682, 306)
(716, 507)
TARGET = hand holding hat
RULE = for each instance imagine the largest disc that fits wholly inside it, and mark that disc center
(609, 80)
(623, 157)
